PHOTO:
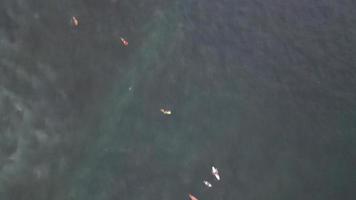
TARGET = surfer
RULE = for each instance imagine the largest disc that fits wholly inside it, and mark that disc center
(215, 173)
(207, 184)
(75, 21)
(166, 112)
(124, 42)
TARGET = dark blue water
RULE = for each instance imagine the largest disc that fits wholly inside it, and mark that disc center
(263, 90)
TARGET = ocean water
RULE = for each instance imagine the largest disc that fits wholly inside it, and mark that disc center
(263, 90)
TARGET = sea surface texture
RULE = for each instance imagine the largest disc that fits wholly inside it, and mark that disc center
(264, 90)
